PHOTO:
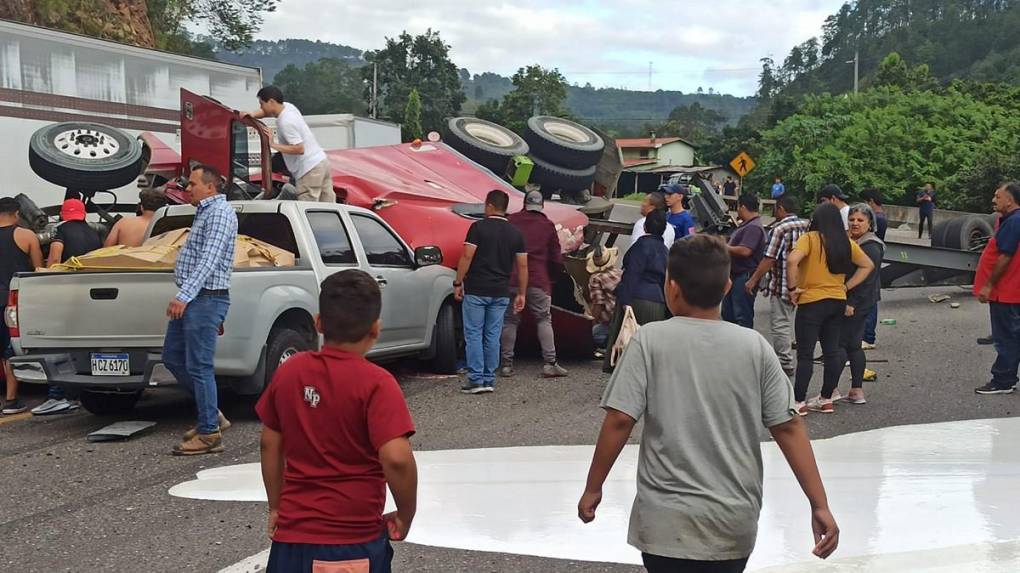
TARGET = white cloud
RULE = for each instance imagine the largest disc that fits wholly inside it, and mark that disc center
(708, 44)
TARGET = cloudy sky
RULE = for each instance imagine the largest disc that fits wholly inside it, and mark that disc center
(690, 44)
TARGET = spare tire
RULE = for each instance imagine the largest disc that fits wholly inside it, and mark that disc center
(563, 142)
(553, 177)
(486, 143)
(973, 232)
(85, 156)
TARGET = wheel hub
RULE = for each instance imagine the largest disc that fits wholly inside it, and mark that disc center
(86, 143)
(288, 354)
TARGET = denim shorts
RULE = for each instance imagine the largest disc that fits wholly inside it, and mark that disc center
(299, 557)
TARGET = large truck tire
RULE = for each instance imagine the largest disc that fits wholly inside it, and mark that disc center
(942, 229)
(555, 178)
(486, 143)
(85, 156)
(972, 232)
(444, 342)
(109, 403)
(563, 142)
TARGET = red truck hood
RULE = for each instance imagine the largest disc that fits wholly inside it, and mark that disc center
(422, 183)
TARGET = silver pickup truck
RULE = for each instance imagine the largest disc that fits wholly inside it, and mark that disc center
(102, 331)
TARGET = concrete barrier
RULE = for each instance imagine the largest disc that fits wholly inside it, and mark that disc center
(898, 215)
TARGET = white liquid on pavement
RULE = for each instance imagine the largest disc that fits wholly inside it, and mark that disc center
(933, 498)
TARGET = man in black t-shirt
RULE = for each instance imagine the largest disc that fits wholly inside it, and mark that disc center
(74, 236)
(730, 187)
(483, 284)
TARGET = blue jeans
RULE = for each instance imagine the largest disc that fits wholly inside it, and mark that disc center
(869, 325)
(1006, 337)
(600, 335)
(188, 352)
(738, 306)
(298, 557)
(483, 324)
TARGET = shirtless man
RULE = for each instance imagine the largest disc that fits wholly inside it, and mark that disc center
(130, 231)
(19, 252)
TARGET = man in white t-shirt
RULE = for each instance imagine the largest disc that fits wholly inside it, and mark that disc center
(655, 201)
(831, 193)
(305, 159)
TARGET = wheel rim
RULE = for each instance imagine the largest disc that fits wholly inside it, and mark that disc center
(288, 353)
(567, 132)
(977, 240)
(86, 143)
(489, 134)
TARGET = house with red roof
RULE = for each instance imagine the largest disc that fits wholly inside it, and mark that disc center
(653, 152)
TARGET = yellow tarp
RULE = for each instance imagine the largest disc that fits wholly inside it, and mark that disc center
(160, 253)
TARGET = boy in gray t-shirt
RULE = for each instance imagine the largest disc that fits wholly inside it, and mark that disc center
(704, 387)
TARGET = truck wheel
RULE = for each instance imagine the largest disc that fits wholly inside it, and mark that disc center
(974, 230)
(562, 142)
(85, 156)
(109, 403)
(284, 342)
(553, 177)
(942, 230)
(486, 143)
(444, 342)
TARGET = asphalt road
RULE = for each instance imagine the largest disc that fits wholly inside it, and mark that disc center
(71, 505)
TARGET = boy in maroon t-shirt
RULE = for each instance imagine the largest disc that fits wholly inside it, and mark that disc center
(335, 433)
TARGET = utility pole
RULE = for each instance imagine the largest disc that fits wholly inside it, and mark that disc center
(375, 89)
(649, 76)
(857, 68)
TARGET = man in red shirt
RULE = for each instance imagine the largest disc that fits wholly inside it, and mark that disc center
(997, 282)
(544, 254)
(335, 434)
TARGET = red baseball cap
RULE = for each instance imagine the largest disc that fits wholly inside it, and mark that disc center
(72, 210)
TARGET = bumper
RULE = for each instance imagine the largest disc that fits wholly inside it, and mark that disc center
(65, 369)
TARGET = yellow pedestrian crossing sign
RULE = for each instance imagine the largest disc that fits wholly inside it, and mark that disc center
(742, 164)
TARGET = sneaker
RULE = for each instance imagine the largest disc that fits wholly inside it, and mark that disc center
(867, 346)
(599, 354)
(473, 389)
(991, 388)
(200, 444)
(488, 388)
(856, 399)
(821, 405)
(870, 375)
(553, 370)
(506, 371)
(836, 395)
(801, 408)
(985, 340)
(14, 406)
(52, 406)
(223, 422)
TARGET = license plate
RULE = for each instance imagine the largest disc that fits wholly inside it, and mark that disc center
(111, 365)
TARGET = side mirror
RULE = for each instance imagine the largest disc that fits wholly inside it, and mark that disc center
(428, 256)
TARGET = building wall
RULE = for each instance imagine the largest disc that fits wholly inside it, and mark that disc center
(676, 153)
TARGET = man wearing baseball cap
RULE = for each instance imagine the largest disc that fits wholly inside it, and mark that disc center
(678, 216)
(544, 258)
(74, 238)
(833, 194)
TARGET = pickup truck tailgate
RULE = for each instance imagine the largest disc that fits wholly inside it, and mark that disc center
(94, 310)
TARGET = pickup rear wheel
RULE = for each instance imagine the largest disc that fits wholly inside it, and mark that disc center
(444, 342)
(109, 403)
(284, 342)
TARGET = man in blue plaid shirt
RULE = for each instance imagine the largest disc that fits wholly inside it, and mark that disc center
(787, 230)
(202, 274)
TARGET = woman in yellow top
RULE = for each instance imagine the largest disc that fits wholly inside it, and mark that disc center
(816, 271)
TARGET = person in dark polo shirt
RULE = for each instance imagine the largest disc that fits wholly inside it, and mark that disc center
(997, 282)
(491, 247)
(543, 256)
(747, 247)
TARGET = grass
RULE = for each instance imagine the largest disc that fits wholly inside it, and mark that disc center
(639, 197)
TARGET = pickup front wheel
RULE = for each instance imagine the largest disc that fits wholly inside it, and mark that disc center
(444, 342)
(109, 403)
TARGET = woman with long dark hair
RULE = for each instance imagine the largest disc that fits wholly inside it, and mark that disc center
(861, 300)
(817, 269)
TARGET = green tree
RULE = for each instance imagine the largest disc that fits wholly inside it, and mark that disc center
(412, 117)
(692, 122)
(327, 86)
(894, 72)
(769, 82)
(420, 62)
(537, 91)
(232, 22)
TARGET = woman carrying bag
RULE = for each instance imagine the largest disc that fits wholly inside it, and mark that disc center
(641, 288)
(861, 300)
(817, 269)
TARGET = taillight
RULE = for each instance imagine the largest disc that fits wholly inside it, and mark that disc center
(11, 314)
